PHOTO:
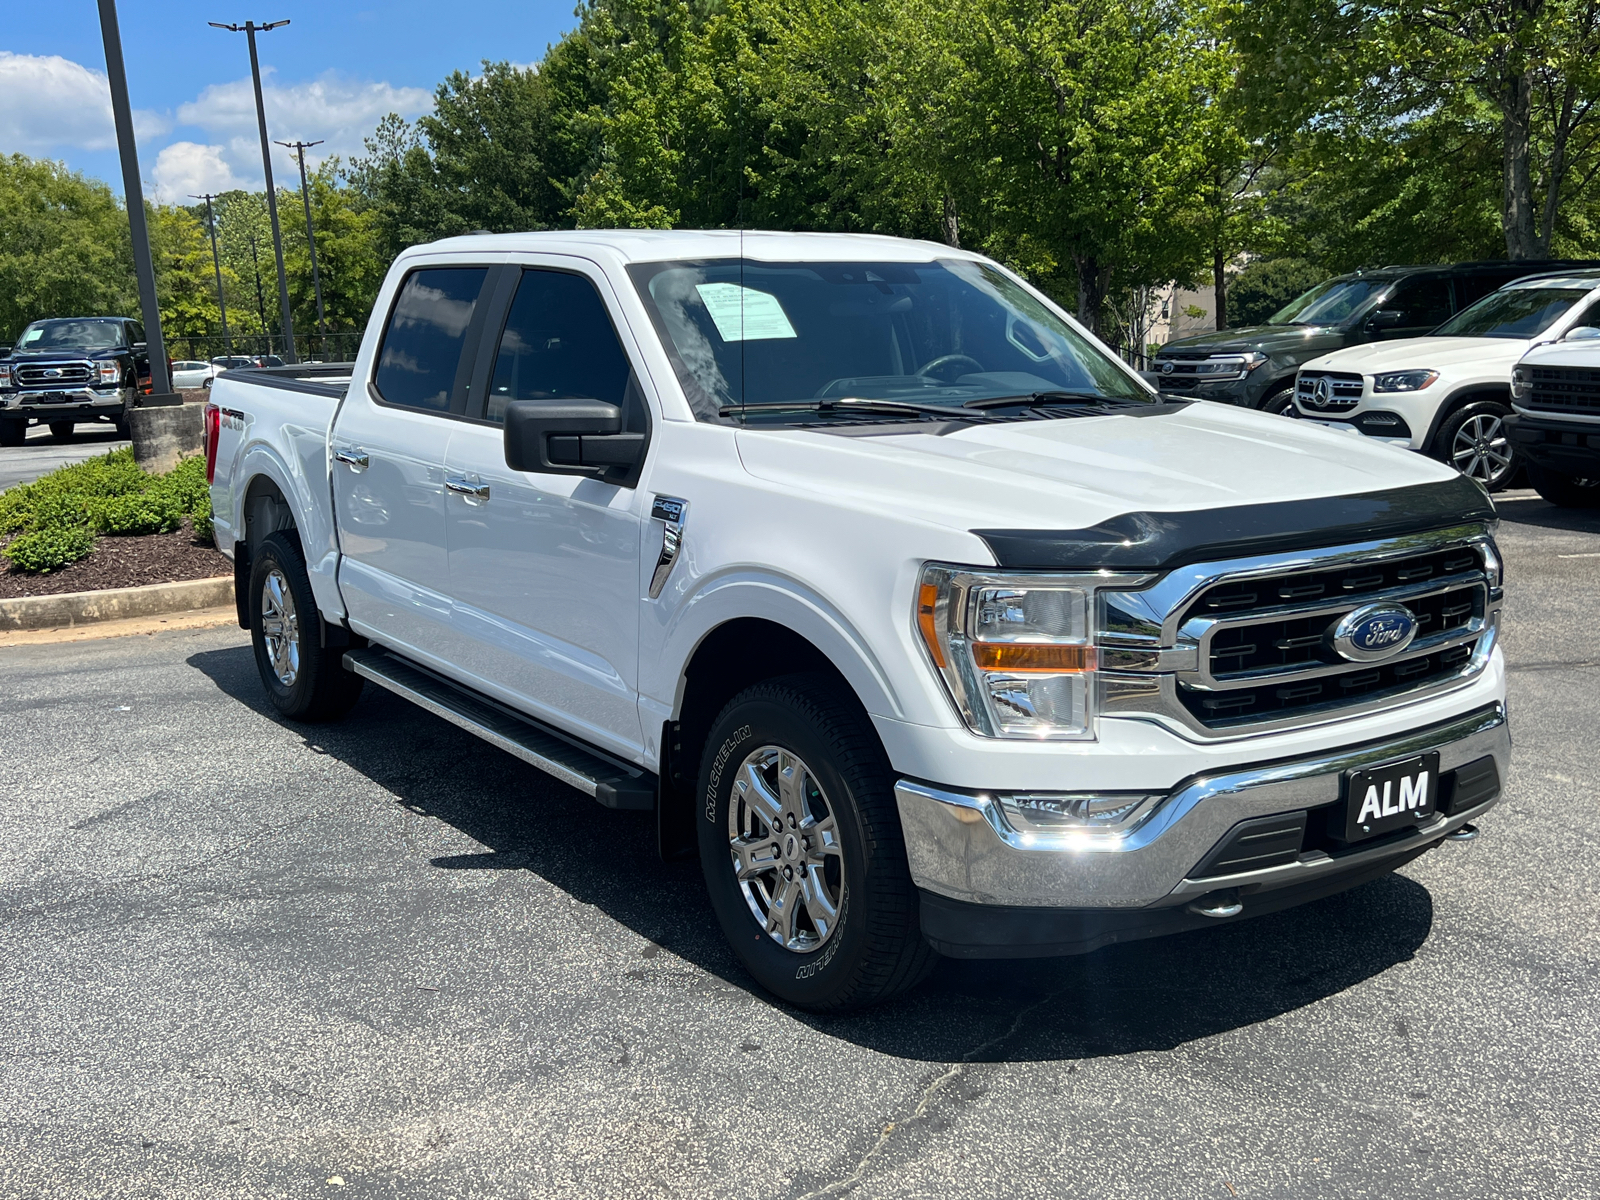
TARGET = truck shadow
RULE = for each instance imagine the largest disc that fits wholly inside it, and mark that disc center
(1531, 510)
(1149, 995)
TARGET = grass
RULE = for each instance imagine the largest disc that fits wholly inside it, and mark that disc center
(57, 518)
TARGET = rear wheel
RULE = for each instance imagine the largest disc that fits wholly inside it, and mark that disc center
(13, 433)
(1569, 491)
(62, 431)
(1473, 440)
(801, 848)
(305, 680)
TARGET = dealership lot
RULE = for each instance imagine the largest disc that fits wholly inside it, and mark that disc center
(244, 958)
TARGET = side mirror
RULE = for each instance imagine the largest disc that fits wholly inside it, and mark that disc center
(1580, 333)
(1385, 318)
(570, 437)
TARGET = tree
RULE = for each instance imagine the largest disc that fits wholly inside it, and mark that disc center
(349, 262)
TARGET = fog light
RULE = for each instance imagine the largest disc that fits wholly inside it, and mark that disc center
(1068, 812)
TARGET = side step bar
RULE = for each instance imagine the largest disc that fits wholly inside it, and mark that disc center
(612, 782)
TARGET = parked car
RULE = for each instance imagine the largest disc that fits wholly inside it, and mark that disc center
(1448, 394)
(71, 369)
(897, 598)
(187, 374)
(267, 360)
(1254, 367)
(1555, 391)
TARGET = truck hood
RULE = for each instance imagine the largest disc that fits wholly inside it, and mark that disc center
(47, 356)
(1274, 340)
(1081, 472)
(1436, 353)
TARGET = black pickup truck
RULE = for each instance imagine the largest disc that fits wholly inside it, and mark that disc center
(70, 369)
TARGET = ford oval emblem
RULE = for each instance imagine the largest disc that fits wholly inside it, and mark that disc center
(1167, 368)
(1374, 632)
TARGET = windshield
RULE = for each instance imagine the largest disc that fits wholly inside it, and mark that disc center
(1328, 303)
(936, 335)
(71, 335)
(1522, 313)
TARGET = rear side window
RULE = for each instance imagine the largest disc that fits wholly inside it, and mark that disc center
(421, 364)
(1423, 302)
(558, 343)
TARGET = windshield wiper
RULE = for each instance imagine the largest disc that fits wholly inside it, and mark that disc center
(849, 404)
(1045, 400)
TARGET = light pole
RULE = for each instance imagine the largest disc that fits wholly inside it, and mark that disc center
(300, 149)
(133, 192)
(216, 263)
(250, 29)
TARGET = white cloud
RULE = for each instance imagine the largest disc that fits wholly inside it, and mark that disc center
(337, 111)
(186, 169)
(49, 103)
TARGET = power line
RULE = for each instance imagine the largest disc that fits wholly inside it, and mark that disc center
(286, 319)
(300, 149)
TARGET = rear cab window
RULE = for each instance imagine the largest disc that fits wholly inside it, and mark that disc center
(422, 360)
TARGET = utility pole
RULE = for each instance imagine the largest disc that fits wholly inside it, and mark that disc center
(250, 29)
(261, 301)
(133, 192)
(216, 263)
(300, 149)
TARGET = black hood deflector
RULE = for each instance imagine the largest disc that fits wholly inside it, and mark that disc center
(1157, 541)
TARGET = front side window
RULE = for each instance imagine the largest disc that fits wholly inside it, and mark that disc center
(558, 343)
(135, 333)
(421, 360)
(747, 338)
(1515, 312)
(1422, 302)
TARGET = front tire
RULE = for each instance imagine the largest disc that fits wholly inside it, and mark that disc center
(1473, 440)
(801, 848)
(305, 680)
(1279, 402)
(13, 433)
(1568, 491)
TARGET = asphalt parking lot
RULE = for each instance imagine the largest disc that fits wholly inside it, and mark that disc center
(41, 453)
(241, 958)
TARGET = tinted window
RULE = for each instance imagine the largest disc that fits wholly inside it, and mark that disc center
(1422, 302)
(135, 333)
(558, 342)
(422, 344)
(1516, 312)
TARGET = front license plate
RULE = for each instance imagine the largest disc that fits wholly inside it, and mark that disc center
(1395, 796)
(54, 398)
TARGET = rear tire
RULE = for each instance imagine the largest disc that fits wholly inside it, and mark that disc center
(13, 433)
(1569, 491)
(1473, 440)
(305, 680)
(802, 851)
(62, 431)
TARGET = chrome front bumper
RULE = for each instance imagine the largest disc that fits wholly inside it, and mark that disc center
(32, 401)
(961, 846)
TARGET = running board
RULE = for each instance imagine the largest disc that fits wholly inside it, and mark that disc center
(612, 782)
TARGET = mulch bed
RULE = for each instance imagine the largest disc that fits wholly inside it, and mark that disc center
(118, 562)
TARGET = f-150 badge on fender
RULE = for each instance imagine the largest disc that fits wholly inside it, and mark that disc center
(1374, 632)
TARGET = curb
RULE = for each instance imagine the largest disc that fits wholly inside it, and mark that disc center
(113, 604)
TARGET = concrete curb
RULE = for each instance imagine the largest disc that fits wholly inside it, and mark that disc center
(114, 604)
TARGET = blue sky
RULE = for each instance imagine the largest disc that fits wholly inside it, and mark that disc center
(330, 74)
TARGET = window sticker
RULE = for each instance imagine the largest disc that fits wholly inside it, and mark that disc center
(743, 314)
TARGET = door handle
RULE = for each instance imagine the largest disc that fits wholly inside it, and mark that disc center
(476, 491)
(352, 457)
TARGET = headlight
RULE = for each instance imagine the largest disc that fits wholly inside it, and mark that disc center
(1521, 382)
(1403, 381)
(1253, 360)
(110, 374)
(1016, 652)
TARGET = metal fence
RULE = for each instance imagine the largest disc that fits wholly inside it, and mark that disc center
(309, 347)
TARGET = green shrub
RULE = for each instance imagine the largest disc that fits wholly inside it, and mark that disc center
(200, 518)
(48, 549)
(153, 511)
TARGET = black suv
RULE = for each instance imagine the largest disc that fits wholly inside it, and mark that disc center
(70, 369)
(1254, 366)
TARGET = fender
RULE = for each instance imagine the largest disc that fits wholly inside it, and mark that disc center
(783, 600)
(300, 490)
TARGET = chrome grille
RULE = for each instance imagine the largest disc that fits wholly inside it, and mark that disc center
(1265, 645)
(1342, 390)
(1244, 646)
(53, 375)
(1564, 389)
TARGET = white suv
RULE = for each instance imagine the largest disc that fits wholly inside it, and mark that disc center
(1448, 394)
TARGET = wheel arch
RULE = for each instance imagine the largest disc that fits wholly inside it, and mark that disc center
(264, 508)
(1500, 392)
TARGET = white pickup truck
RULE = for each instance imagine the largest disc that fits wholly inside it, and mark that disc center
(900, 601)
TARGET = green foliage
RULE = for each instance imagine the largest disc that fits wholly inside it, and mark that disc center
(49, 549)
(349, 262)
(62, 512)
(1266, 285)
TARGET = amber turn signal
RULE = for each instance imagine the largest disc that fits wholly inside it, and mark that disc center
(1022, 658)
(927, 596)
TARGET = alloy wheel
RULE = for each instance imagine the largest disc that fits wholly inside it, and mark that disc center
(280, 627)
(1480, 449)
(783, 839)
